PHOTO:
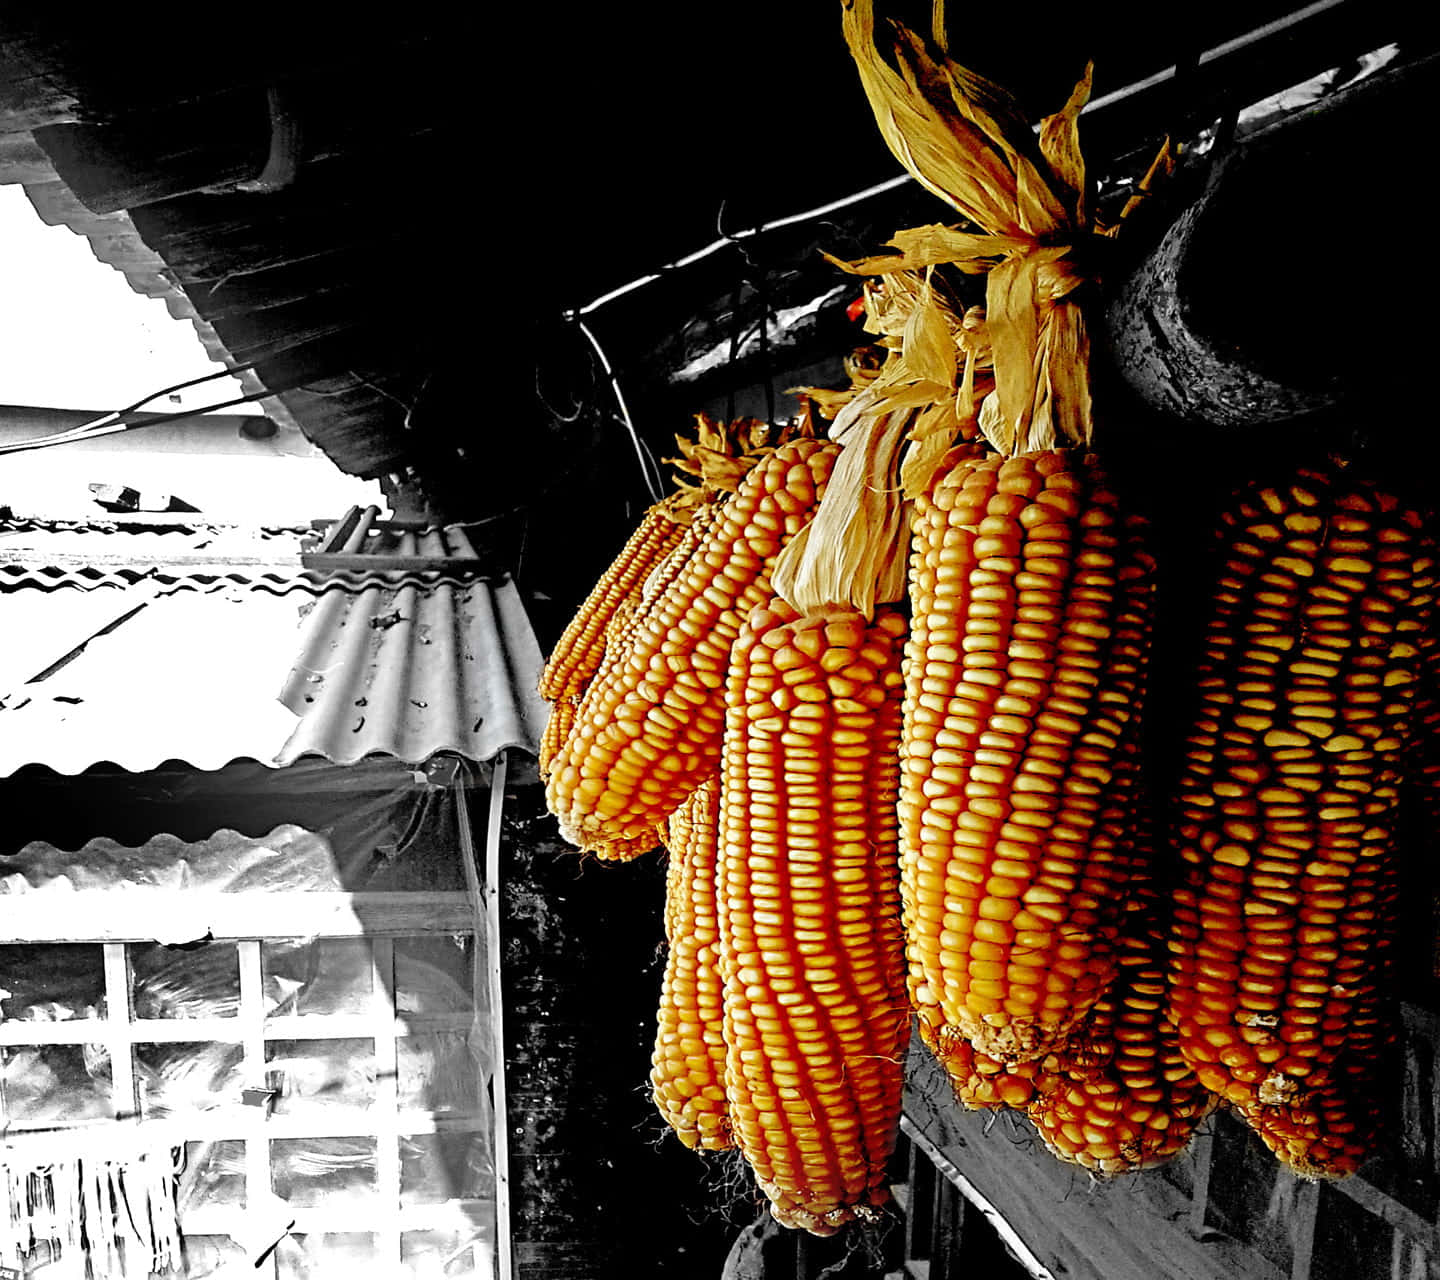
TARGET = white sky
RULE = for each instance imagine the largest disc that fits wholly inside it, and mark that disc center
(74, 335)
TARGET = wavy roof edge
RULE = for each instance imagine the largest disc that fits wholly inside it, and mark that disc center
(58, 578)
(401, 670)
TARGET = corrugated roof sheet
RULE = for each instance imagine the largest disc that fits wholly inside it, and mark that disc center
(405, 672)
(185, 677)
(82, 537)
(412, 671)
(137, 667)
(52, 554)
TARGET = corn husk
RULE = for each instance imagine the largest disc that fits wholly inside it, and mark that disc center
(1015, 371)
(965, 140)
(719, 455)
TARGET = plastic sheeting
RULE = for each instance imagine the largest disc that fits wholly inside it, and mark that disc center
(332, 1077)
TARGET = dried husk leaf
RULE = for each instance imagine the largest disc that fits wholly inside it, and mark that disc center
(932, 434)
(964, 139)
(927, 345)
(854, 550)
(721, 454)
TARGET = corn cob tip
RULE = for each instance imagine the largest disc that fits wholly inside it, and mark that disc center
(820, 1224)
(609, 848)
(1011, 1039)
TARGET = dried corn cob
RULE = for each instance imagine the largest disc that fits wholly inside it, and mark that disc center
(625, 619)
(981, 1082)
(1024, 675)
(811, 949)
(1331, 1129)
(576, 657)
(688, 1065)
(650, 731)
(1121, 1096)
(1287, 805)
(557, 730)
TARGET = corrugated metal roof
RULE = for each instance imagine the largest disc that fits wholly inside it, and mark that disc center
(52, 554)
(309, 274)
(138, 664)
(405, 672)
(412, 671)
(188, 677)
(160, 523)
(84, 537)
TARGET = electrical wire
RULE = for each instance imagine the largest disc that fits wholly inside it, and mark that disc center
(734, 238)
(105, 427)
(1279, 27)
(650, 472)
(113, 422)
(117, 420)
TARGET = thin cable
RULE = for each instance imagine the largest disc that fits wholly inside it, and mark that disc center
(115, 428)
(112, 422)
(648, 471)
(890, 184)
(1254, 36)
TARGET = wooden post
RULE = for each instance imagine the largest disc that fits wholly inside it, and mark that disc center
(1235, 318)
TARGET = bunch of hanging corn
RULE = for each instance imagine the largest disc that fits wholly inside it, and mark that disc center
(1024, 675)
(811, 952)
(687, 1076)
(1284, 923)
(649, 731)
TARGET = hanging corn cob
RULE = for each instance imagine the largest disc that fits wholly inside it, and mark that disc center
(718, 455)
(811, 954)
(1030, 591)
(1024, 677)
(576, 657)
(624, 620)
(687, 1074)
(1287, 806)
(1120, 1095)
(650, 732)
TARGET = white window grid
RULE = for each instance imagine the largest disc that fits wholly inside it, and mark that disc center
(250, 921)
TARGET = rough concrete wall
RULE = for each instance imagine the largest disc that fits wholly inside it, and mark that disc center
(599, 1188)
